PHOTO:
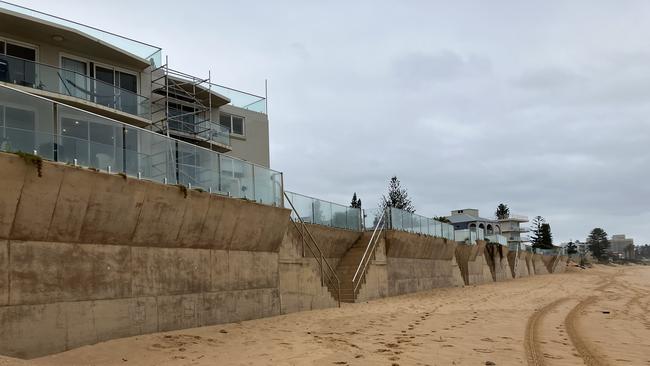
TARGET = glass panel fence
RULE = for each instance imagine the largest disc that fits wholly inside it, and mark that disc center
(242, 99)
(74, 136)
(496, 238)
(414, 223)
(71, 83)
(314, 211)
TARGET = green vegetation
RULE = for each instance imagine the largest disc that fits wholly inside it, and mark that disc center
(356, 202)
(598, 243)
(397, 197)
(35, 160)
(503, 212)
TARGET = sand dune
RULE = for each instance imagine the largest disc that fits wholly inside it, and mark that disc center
(598, 316)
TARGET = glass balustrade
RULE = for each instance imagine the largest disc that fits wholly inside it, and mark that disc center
(414, 223)
(31, 124)
(145, 51)
(315, 211)
(56, 80)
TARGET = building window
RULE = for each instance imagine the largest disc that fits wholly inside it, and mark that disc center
(17, 63)
(235, 124)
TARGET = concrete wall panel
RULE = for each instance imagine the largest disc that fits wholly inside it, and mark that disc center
(238, 270)
(37, 201)
(4, 272)
(179, 311)
(71, 206)
(170, 271)
(12, 178)
(194, 218)
(117, 318)
(401, 244)
(113, 209)
(30, 331)
(49, 272)
(539, 265)
(161, 215)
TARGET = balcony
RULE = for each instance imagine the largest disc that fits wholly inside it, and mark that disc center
(145, 52)
(208, 131)
(515, 230)
(72, 84)
(518, 218)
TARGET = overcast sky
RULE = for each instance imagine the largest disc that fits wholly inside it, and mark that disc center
(541, 105)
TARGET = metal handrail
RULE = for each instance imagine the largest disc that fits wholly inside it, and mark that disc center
(325, 275)
(370, 249)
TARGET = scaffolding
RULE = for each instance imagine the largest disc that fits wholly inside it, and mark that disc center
(182, 106)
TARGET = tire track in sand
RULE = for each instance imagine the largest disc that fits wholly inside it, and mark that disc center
(587, 352)
(534, 354)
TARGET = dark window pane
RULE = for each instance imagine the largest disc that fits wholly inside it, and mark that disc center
(104, 90)
(128, 82)
(2, 47)
(237, 125)
(224, 120)
(20, 118)
(21, 52)
(19, 133)
(105, 75)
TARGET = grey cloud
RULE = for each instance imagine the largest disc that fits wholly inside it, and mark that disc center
(421, 68)
(533, 104)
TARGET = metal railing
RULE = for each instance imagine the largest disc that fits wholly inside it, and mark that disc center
(327, 273)
(66, 82)
(316, 211)
(58, 132)
(362, 269)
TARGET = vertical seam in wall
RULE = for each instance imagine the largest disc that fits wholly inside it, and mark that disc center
(8, 272)
(137, 221)
(180, 227)
(56, 202)
(20, 196)
(9, 236)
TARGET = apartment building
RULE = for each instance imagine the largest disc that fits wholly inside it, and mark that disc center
(80, 95)
(470, 226)
(622, 246)
(512, 229)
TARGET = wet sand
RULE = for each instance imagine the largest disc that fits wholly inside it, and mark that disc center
(598, 316)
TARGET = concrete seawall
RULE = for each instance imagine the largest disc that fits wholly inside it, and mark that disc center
(472, 263)
(521, 258)
(419, 262)
(300, 278)
(539, 265)
(86, 257)
(497, 258)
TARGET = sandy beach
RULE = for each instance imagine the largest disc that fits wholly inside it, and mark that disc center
(598, 316)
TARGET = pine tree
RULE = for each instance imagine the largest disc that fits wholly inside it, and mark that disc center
(356, 202)
(397, 197)
(598, 243)
(536, 231)
(503, 212)
(546, 241)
